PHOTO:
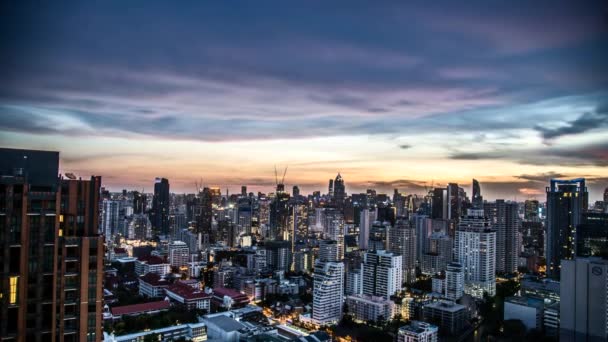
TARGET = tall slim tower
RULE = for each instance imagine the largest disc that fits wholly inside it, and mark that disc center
(339, 191)
(504, 218)
(328, 286)
(566, 202)
(476, 193)
(402, 241)
(475, 250)
(160, 206)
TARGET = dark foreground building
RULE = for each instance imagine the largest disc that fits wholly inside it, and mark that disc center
(51, 255)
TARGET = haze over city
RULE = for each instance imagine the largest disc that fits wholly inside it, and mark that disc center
(392, 96)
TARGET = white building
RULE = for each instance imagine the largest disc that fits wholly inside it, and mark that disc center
(526, 309)
(454, 281)
(328, 292)
(179, 254)
(402, 241)
(196, 332)
(416, 331)
(111, 218)
(353, 281)
(370, 308)
(382, 273)
(584, 299)
(476, 251)
(151, 264)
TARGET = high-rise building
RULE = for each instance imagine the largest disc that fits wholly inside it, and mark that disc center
(592, 235)
(328, 250)
(365, 308)
(584, 300)
(46, 297)
(160, 206)
(454, 281)
(439, 204)
(330, 189)
(179, 254)
(339, 191)
(382, 273)
(279, 215)
(139, 202)
(438, 254)
(476, 193)
(111, 217)
(416, 331)
(402, 241)
(328, 289)
(566, 202)
(365, 225)
(504, 218)
(531, 210)
(204, 216)
(475, 250)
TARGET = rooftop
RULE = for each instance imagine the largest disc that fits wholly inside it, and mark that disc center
(225, 323)
(186, 291)
(140, 308)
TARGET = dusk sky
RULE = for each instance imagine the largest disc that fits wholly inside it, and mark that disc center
(390, 96)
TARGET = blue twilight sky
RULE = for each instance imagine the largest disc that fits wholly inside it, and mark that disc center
(392, 95)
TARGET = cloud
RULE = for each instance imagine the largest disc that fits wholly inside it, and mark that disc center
(542, 177)
(405, 146)
(586, 122)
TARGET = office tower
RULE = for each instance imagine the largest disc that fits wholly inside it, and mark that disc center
(378, 236)
(139, 228)
(295, 191)
(328, 250)
(475, 250)
(328, 292)
(244, 216)
(382, 273)
(531, 210)
(504, 219)
(454, 281)
(339, 191)
(330, 189)
(566, 201)
(476, 193)
(454, 201)
(592, 235)
(438, 254)
(439, 204)
(139, 202)
(334, 229)
(204, 216)
(584, 299)
(533, 234)
(179, 254)
(44, 297)
(278, 255)
(279, 215)
(416, 331)
(365, 225)
(160, 206)
(244, 190)
(402, 241)
(111, 218)
(298, 221)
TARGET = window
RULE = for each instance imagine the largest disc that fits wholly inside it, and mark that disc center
(13, 284)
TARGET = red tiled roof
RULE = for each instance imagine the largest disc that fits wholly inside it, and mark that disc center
(223, 291)
(139, 308)
(154, 279)
(186, 291)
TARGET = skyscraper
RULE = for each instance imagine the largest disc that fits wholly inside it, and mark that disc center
(110, 218)
(339, 191)
(592, 235)
(476, 193)
(504, 218)
(566, 201)
(402, 241)
(328, 286)
(365, 225)
(382, 273)
(531, 210)
(45, 297)
(475, 250)
(160, 206)
(584, 300)
(139, 202)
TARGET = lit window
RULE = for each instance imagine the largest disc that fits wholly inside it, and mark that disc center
(13, 290)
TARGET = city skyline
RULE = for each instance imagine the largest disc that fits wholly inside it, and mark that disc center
(389, 96)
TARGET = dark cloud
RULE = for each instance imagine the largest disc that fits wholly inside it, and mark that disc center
(586, 122)
(405, 146)
(542, 177)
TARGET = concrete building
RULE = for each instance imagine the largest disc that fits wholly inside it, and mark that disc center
(151, 264)
(367, 217)
(529, 310)
(448, 316)
(416, 331)
(454, 281)
(402, 241)
(475, 250)
(370, 308)
(584, 299)
(179, 254)
(504, 219)
(382, 273)
(196, 332)
(437, 255)
(328, 292)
